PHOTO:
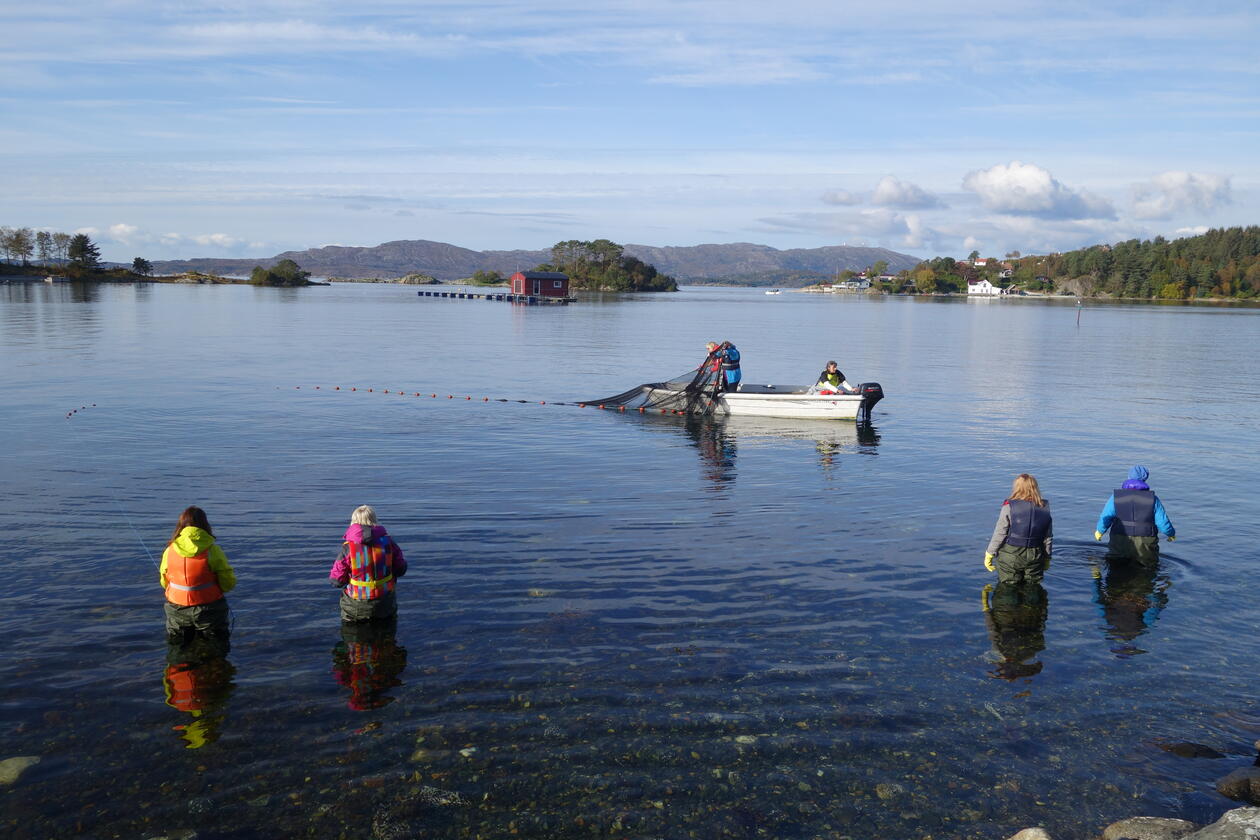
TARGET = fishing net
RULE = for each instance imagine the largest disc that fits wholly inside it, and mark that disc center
(693, 392)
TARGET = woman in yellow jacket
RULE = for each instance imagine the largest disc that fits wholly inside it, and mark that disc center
(196, 575)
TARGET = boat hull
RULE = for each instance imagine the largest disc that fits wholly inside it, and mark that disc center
(789, 402)
(793, 406)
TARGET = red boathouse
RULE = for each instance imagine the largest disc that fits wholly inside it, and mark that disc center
(540, 283)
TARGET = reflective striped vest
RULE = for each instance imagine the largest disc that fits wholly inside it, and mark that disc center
(371, 569)
(189, 580)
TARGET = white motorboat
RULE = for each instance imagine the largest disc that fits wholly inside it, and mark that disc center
(792, 401)
(775, 292)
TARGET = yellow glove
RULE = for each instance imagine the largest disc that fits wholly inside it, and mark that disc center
(988, 562)
(1098, 536)
(1172, 539)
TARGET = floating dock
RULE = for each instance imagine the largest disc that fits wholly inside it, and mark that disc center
(530, 300)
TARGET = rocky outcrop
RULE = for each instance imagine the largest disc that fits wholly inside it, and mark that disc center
(1149, 828)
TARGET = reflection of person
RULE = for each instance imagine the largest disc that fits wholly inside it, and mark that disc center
(832, 380)
(366, 569)
(1136, 517)
(717, 449)
(368, 661)
(1130, 598)
(1022, 539)
(1016, 619)
(196, 576)
(198, 680)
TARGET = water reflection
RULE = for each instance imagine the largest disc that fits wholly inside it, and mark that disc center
(1130, 597)
(198, 681)
(368, 660)
(717, 448)
(718, 439)
(1015, 616)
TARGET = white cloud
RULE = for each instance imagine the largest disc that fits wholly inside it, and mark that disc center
(1028, 190)
(843, 198)
(1191, 231)
(217, 240)
(893, 192)
(970, 244)
(1170, 193)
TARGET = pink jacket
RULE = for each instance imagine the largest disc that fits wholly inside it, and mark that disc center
(339, 575)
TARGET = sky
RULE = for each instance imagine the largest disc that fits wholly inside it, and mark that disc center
(242, 129)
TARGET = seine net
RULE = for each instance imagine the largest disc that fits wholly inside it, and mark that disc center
(693, 392)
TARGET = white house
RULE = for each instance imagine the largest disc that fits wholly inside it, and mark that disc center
(983, 287)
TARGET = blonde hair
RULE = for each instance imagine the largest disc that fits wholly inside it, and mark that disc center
(1025, 487)
(363, 515)
(711, 346)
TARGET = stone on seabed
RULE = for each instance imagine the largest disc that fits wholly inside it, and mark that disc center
(1243, 784)
(1149, 828)
(1030, 834)
(12, 768)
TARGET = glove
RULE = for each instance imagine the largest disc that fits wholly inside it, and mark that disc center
(988, 562)
(1172, 539)
(1098, 536)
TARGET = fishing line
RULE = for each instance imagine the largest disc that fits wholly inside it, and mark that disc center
(113, 495)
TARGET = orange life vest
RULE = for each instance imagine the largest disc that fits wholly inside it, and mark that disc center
(189, 580)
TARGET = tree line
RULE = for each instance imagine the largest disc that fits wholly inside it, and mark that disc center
(602, 266)
(1221, 263)
(52, 250)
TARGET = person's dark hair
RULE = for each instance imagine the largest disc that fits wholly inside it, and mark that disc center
(194, 516)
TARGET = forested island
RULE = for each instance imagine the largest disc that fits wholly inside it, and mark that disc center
(602, 266)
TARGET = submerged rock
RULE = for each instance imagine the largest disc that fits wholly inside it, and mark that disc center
(1148, 828)
(1238, 824)
(12, 768)
(1243, 785)
(177, 834)
(1030, 834)
(1189, 749)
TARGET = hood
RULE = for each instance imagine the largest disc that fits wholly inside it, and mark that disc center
(1139, 474)
(361, 534)
(192, 541)
(1135, 484)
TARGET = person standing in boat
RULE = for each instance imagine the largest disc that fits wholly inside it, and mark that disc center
(369, 563)
(728, 358)
(1022, 541)
(832, 379)
(1136, 518)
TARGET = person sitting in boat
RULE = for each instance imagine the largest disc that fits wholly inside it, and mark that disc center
(832, 381)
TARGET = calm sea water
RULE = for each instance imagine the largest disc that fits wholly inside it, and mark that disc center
(618, 626)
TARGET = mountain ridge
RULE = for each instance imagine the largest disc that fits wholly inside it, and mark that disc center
(744, 263)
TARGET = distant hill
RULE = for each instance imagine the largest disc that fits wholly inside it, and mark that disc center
(738, 262)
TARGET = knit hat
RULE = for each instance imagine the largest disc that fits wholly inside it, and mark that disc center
(1138, 474)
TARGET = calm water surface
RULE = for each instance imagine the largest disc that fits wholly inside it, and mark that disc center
(618, 626)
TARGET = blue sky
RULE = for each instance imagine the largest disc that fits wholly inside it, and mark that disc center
(177, 129)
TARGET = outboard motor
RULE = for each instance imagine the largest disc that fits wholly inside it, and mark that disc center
(871, 393)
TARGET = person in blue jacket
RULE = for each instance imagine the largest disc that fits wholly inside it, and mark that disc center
(728, 356)
(1136, 518)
